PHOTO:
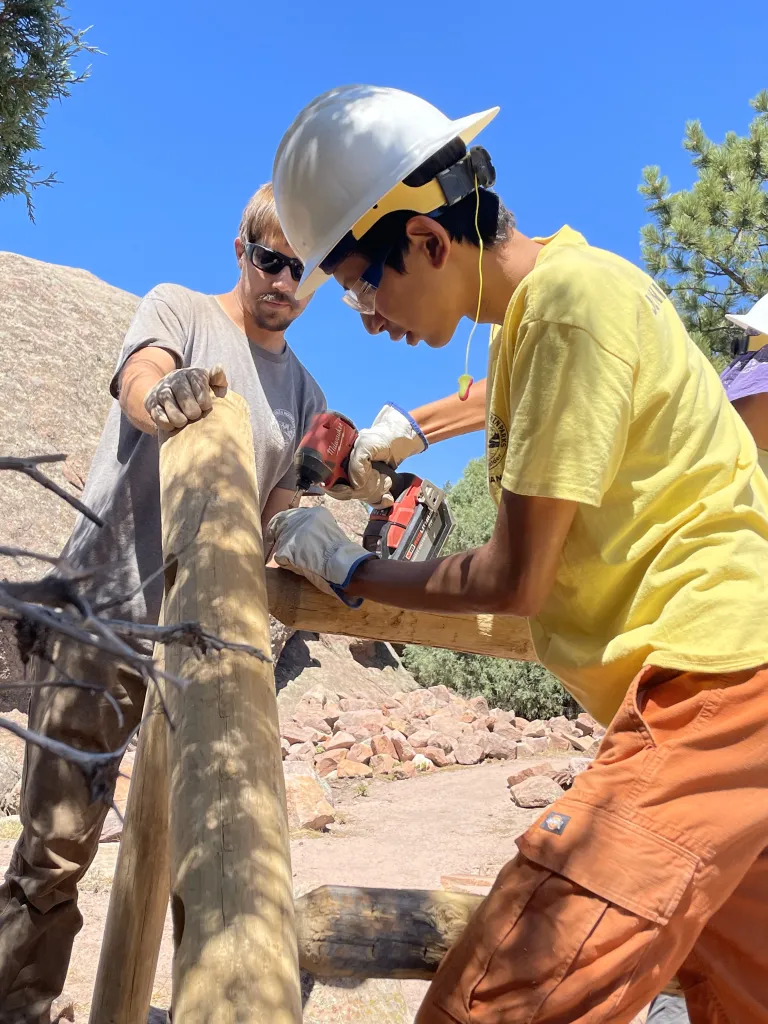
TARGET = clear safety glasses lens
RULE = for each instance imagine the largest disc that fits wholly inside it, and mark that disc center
(361, 297)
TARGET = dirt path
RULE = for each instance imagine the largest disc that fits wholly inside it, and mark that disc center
(408, 834)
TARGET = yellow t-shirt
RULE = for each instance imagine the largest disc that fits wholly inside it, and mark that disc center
(597, 395)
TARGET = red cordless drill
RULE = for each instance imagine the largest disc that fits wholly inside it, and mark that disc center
(322, 458)
(414, 528)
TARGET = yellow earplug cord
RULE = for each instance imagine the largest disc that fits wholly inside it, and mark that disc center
(465, 380)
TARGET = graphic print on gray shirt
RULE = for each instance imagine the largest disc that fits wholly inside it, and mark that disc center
(123, 484)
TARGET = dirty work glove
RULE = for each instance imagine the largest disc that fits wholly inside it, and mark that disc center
(393, 436)
(309, 542)
(370, 492)
(184, 395)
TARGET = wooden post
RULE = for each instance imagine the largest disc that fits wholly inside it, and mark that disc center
(236, 958)
(300, 605)
(139, 898)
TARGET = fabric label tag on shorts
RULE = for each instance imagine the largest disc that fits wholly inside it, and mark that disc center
(555, 823)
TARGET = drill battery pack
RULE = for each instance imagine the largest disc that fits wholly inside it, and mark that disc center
(415, 527)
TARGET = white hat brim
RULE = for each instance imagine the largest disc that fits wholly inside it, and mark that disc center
(740, 321)
(755, 319)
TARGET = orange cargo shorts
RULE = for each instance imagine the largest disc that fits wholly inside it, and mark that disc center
(654, 864)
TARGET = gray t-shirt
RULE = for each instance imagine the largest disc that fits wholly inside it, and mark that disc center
(123, 483)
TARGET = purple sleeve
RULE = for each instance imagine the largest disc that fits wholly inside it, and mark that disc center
(747, 375)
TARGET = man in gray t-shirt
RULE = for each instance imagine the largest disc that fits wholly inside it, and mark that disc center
(193, 330)
(180, 345)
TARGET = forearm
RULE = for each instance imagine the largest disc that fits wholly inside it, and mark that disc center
(141, 373)
(467, 582)
(510, 575)
(133, 392)
(753, 409)
(449, 417)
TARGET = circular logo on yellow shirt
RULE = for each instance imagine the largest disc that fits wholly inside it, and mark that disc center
(497, 441)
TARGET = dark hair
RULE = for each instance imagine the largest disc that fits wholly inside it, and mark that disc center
(388, 235)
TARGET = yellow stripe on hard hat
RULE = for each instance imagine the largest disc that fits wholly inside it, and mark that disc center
(420, 199)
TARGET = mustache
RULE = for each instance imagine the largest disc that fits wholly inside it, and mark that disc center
(279, 297)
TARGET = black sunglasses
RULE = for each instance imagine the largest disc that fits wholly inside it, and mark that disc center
(272, 262)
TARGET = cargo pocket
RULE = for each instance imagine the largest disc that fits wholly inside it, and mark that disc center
(613, 857)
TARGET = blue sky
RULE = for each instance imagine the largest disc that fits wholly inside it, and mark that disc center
(158, 152)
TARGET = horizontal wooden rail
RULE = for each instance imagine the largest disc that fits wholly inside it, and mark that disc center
(346, 931)
(298, 604)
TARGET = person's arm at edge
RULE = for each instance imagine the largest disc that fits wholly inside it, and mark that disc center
(753, 409)
(141, 372)
(510, 575)
(450, 417)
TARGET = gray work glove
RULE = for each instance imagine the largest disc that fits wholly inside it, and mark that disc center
(181, 397)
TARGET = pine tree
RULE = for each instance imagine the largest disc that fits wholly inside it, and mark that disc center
(708, 245)
(37, 44)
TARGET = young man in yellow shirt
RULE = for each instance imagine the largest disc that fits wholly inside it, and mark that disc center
(632, 531)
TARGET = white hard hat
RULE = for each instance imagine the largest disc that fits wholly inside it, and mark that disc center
(755, 319)
(343, 155)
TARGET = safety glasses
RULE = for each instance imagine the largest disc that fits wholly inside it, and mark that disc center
(362, 295)
(272, 262)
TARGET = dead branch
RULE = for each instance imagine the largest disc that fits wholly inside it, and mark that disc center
(99, 769)
(65, 570)
(105, 641)
(67, 683)
(28, 466)
(105, 636)
(7, 552)
(187, 634)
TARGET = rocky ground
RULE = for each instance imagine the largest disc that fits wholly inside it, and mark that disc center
(346, 734)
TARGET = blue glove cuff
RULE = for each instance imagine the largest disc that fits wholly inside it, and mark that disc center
(338, 588)
(413, 423)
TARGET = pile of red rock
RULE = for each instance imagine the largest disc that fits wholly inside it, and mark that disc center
(351, 735)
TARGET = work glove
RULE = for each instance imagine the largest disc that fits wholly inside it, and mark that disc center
(182, 396)
(393, 436)
(309, 542)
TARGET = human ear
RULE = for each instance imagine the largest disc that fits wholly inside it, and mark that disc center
(428, 236)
